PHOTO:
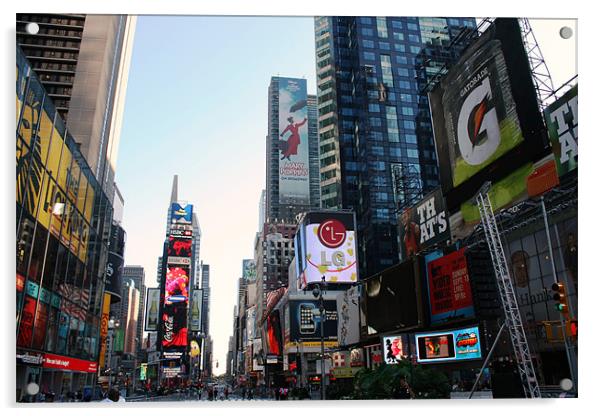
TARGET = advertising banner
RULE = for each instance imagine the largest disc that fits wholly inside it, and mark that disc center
(104, 328)
(195, 349)
(181, 231)
(181, 213)
(293, 146)
(486, 120)
(143, 367)
(251, 316)
(452, 345)
(562, 121)
(329, 248)
(152, 309)
(391, 299)
(195, 310)
(423, 225)
(450, 295)
(393, 349)
(349, 315)
(305, 322)
(69, 363)
(175, 310)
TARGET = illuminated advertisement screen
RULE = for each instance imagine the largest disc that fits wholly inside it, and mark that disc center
(181, 213)
(274, 334)
(330, 248)
(450, 295)
(195, 310)
(452, 345)
(293, 134)
(179, 247)
(393, 349)
(152, 309)
(486, 120)
(175, 309)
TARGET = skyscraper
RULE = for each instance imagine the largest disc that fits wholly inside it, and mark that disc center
(292, 185)
(83, 62)
(136, 275)
(373, 131)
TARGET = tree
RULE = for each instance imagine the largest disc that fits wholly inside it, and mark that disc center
(379, 383)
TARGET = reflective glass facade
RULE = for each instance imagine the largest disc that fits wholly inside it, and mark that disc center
(372, 115)
(63, 225)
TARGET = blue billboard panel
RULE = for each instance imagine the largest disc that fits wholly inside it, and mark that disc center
(451, 345)
(181, 213)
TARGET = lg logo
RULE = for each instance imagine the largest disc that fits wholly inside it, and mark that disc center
(332, 233)
(478, 128)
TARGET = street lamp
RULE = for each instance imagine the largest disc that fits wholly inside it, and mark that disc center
(318, 292)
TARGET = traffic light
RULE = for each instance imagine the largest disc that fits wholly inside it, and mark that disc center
(560, 298)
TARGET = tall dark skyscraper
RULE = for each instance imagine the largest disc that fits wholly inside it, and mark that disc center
(374, 135)
(83, 62)
(292, 168)
(136, 275)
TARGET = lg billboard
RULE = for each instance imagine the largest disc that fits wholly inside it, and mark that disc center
(326, 247)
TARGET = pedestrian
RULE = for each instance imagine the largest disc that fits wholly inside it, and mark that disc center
(113, 396)
(403, 390)
(226, 392)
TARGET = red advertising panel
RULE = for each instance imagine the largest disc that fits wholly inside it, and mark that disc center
(449, 284)
(179, 247)
(69, 363)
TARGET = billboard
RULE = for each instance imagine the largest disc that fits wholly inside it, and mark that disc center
(114, 268)
(274, 334)
(179, 247)
(293, 136)
(251, 316)
(392, 299)
(152, 309)
(485, 115)
(248, 269)
(175, 311)
(349, 326)
(423, 225)
(562, 121)
(392, 349)
(306, 324)
(452, 345)
(181, 213)
(328, 246)
(195, 310)
(450, 294)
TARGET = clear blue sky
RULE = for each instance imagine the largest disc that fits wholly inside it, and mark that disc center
(196, 106)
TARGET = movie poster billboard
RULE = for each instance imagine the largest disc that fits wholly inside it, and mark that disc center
(450, 295)
(251, 317)
(152, 309)
(393, 349)
(248, 270)
(452, 345)
(293, 136)
(306, 324)
(181, 213)
(274, 335)
(562, 121)
(423, 225)
(329, 245)
(486, 120)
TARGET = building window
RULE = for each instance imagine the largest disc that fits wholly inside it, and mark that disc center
(374, 108)
(399, 48)
(367, 43)
(407, 124)
(385, 65)
(398, 36)
(412, 26)
(411, 138)
(396, 24)
(369, 56)
(375, 122)
(412, 153)
(381, 27)
(366, 20)
(407, 111)
(367, 31)
(384, 46)
(415, 49)
(414, 38)
(403, 72)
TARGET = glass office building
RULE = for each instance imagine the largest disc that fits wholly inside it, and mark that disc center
(374, 120)
(63, 222)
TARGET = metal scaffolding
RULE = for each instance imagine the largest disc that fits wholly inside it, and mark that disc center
(508, 296)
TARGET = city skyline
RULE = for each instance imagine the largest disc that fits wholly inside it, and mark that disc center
(243, 117)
